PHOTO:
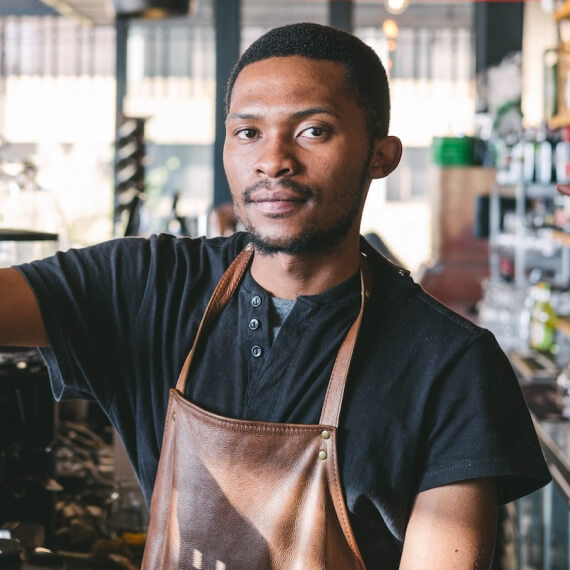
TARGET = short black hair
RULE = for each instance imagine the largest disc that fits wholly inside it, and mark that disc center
(365, 74)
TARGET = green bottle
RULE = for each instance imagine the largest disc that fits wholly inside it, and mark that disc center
(542, 319)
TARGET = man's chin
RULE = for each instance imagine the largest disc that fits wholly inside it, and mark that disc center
(306, 243)
(271, 246)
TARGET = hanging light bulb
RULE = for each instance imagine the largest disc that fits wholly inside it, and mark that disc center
(152, 9)
(390, 29)
(396, 6)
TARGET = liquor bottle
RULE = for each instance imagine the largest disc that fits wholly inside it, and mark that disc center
(544, 157)
(542, 334)
(562, 157)
(529, 153)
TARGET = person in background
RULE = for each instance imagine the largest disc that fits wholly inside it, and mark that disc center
(310, 405)
(222, 220)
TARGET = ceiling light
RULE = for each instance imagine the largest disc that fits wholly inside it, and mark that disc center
(390, 29)
(396, 6)
(151, 8)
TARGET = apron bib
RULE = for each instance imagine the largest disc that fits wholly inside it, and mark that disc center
(245, 495)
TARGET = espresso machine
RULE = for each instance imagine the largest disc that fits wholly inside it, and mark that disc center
(27, 411)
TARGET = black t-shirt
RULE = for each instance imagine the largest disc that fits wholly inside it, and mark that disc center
(430, 399)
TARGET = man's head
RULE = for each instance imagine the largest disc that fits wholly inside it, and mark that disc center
(306, 133)
(365, 74)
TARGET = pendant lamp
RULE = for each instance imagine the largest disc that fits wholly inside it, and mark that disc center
(152, 9)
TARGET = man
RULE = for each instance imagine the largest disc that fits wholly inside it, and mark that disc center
(433, 431)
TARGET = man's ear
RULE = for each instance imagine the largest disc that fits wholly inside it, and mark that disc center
(385, 157)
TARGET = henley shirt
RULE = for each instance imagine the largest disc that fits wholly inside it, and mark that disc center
(430, 397)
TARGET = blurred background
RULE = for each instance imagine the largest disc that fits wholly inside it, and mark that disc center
(111, 124)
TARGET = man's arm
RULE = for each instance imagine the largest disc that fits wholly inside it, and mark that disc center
(21, 322)
(452, 527)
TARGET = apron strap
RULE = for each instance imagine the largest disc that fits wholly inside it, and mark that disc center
(333, 399)
(223, 292)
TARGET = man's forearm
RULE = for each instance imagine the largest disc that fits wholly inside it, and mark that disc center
(452, 527)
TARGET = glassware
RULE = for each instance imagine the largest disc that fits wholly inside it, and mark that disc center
(127, 511)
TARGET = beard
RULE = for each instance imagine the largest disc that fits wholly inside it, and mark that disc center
(310, 240)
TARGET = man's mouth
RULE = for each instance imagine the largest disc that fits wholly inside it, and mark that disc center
(279, 199)
(276, 196)
(278, 203)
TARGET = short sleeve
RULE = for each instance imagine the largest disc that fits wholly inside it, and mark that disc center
(89, 300)
(478, 425)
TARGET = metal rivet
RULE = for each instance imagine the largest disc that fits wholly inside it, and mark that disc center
(256, 351)
(326, 434)
(322, 454)
(256, 301)
(173, 416)
(253, 324)
(249, 246)
(402, 272)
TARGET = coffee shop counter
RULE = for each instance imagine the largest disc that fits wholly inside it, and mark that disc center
(542, 519)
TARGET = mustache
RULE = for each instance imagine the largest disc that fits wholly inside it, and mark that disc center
(304, 190)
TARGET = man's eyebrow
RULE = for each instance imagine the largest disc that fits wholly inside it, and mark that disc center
(297, 115)
(241, 116)
(316, 111)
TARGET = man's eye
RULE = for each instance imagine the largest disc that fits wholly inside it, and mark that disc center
(314, 132)
(247, 134)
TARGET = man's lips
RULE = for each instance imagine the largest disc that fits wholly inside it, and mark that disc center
(281, 199)
(277, 196)
(276, 203)
(285, 190)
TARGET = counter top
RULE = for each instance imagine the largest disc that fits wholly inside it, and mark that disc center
(544, 400)
(554, 438)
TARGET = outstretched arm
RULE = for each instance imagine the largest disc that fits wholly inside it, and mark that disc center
(21, 322)
(452, 527)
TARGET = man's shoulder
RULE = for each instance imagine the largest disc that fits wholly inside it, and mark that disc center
(161, 257)
(163, 248)
(222, 249)
(403, 303)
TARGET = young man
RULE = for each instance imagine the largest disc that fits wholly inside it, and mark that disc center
(405, 459)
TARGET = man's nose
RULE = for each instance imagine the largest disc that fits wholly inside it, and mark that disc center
(276, 158)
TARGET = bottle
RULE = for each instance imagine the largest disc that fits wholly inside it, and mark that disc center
(529, 152)
(516, 165)
(176, 224)
(544, 159)
(562, 157)
(542, 334)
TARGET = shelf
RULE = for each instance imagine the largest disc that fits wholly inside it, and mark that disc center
(559, 121)
(561, 237)
(534, 190)
(563, 11)
(563, 325)
(543, 244)
(534, 366)
(531, 190)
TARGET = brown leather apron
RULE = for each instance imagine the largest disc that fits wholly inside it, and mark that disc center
(246, 495)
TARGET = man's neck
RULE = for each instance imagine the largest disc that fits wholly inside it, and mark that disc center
(288, 276)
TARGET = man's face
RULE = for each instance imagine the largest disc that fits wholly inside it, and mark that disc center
(296, 154)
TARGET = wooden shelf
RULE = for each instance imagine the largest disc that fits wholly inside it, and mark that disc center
(559, 121)
(563, 325)
(531, 190)
(561, 237)
(563, 11)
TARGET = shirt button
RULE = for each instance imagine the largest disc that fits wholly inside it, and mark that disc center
(256, 301)
(256, 351)
(253, 324)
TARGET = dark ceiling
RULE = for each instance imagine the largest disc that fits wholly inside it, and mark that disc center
(426, 13)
